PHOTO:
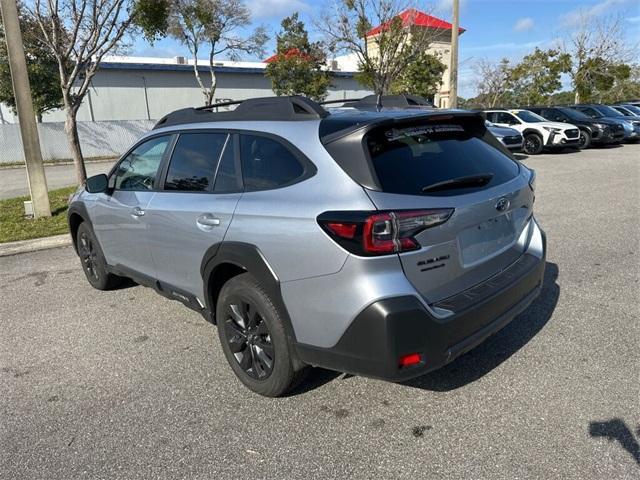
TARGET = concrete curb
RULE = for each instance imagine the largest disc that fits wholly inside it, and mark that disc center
(25, 246)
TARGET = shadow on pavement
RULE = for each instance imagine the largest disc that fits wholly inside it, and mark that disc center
(498, 348)
(617, 430)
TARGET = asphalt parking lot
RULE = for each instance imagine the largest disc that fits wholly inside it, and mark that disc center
(127, 384)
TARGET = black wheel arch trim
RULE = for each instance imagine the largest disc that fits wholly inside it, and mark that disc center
(250, 259)
(79, 209)
(529, 131)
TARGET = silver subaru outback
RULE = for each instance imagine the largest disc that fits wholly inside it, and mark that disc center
(380, 242)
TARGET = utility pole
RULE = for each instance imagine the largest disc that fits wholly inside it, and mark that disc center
(453, 69)
(26, 116)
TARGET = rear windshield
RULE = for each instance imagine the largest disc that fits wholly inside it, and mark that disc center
(407, 160)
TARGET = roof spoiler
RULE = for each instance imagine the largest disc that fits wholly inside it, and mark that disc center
(289, 108)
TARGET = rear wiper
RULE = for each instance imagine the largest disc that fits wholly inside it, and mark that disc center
(469, 181)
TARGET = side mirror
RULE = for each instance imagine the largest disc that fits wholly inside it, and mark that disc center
(97, 183)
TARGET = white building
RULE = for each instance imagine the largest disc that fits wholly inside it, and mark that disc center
(140, 88)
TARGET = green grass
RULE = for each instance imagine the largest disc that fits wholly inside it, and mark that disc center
(14, 226)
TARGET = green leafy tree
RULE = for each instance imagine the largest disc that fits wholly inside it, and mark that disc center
(42, 67)
(79, 33)
(560, 98)
(384, 54)
(538, 75)
(421, 77)
(599, 54)
(494, 83)
(598, 77)
(217, 25)
(626, 88)
(151, 17)
(298, 68)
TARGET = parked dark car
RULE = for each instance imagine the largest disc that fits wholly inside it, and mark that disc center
(635, 102)
(627, 110)
(631, 125)
(593, 131)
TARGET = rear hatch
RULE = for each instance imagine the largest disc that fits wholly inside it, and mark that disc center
(451, 162)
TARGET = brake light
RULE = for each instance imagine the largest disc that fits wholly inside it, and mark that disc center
(344, 230)
(409, 360)
(381, 233)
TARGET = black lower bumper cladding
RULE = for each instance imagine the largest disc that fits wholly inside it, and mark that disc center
(394, 327)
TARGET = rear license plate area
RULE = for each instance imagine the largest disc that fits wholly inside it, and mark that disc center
(486, 239)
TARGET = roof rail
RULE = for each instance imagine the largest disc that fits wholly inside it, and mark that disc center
(289, 108)
(386, 101)
(344, 100)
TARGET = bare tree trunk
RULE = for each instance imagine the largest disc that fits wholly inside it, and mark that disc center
(576, 99)
(214, 79)
(71, 129)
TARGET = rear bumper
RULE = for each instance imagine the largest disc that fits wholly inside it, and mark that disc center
(393, 327)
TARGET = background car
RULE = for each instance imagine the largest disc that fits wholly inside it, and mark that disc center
(592, 131)
(627, 110)
(631, 124)
(509, 137)
(538, 132)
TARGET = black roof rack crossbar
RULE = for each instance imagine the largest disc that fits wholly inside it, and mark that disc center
(289, 108)
(388, 101)
(219, 104)
(344, 100)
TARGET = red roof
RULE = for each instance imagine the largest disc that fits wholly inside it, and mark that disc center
(292, 52)
(411, 16)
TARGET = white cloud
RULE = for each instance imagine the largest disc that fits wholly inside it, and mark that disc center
(523, 24)
(634, 19)
(574, 17)
(276, 8)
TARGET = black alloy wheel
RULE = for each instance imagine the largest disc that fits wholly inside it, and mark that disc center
(585, 140)
(89, 256)
(532, 144)
(249, 339)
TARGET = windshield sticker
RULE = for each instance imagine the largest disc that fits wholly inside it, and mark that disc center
(398, 133)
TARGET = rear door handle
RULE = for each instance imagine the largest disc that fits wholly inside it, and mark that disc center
(137, 212)
(208, 220)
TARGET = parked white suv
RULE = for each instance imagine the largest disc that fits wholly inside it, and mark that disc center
(538, 132)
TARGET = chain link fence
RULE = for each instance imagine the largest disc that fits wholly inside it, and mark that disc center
(97, 139)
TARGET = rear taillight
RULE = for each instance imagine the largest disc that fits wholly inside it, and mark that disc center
(381, 233)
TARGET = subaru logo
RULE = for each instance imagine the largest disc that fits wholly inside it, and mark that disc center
(502, 204)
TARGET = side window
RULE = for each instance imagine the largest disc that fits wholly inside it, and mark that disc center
(589, 111)
(267, 163)
(227, 177)
(492, 117)
(137, 171)
(193, 162)
(553, 115)
(505, 118)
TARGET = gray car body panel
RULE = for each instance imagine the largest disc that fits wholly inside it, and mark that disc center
(324, 287)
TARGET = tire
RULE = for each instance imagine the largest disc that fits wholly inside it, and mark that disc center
(253, 338)
(533, 144)
(585, 140)
(93, 263)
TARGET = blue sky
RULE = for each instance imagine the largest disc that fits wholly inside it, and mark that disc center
(494, 28)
